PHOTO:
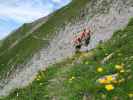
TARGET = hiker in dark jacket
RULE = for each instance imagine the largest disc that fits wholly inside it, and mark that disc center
(85, 36)
(88, 37)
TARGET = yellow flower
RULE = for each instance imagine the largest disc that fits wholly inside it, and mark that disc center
(103, 81)
(100, 69)
(130, 95)
(106, 80)
(109, 78)
(112, 78)
(119, 67)
(109, 87)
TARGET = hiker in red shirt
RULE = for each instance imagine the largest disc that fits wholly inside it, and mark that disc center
(85, 36)
(82, 34)
(77, 43)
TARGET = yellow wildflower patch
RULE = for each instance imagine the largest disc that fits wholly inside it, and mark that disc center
(109, 87)
(108, 79)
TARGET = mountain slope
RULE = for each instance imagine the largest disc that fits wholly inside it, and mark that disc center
(40, 32)
(50, 43)
(16, 56)
(76, 77)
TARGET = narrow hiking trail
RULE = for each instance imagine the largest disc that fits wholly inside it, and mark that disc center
(102, 25)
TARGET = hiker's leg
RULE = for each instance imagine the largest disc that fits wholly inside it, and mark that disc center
(77, 48)
(87, 41)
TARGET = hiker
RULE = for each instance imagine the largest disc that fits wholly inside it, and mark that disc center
(85, 36)
(77, 43)
(82, 34)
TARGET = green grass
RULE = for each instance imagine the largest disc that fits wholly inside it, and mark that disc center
(72, 79)
(28, 46)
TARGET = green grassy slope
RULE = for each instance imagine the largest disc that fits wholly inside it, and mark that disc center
(15, 36)
(28, 46)
(77, 77)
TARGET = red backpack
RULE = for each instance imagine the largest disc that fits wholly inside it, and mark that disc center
(77, 40)
(82, 35)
